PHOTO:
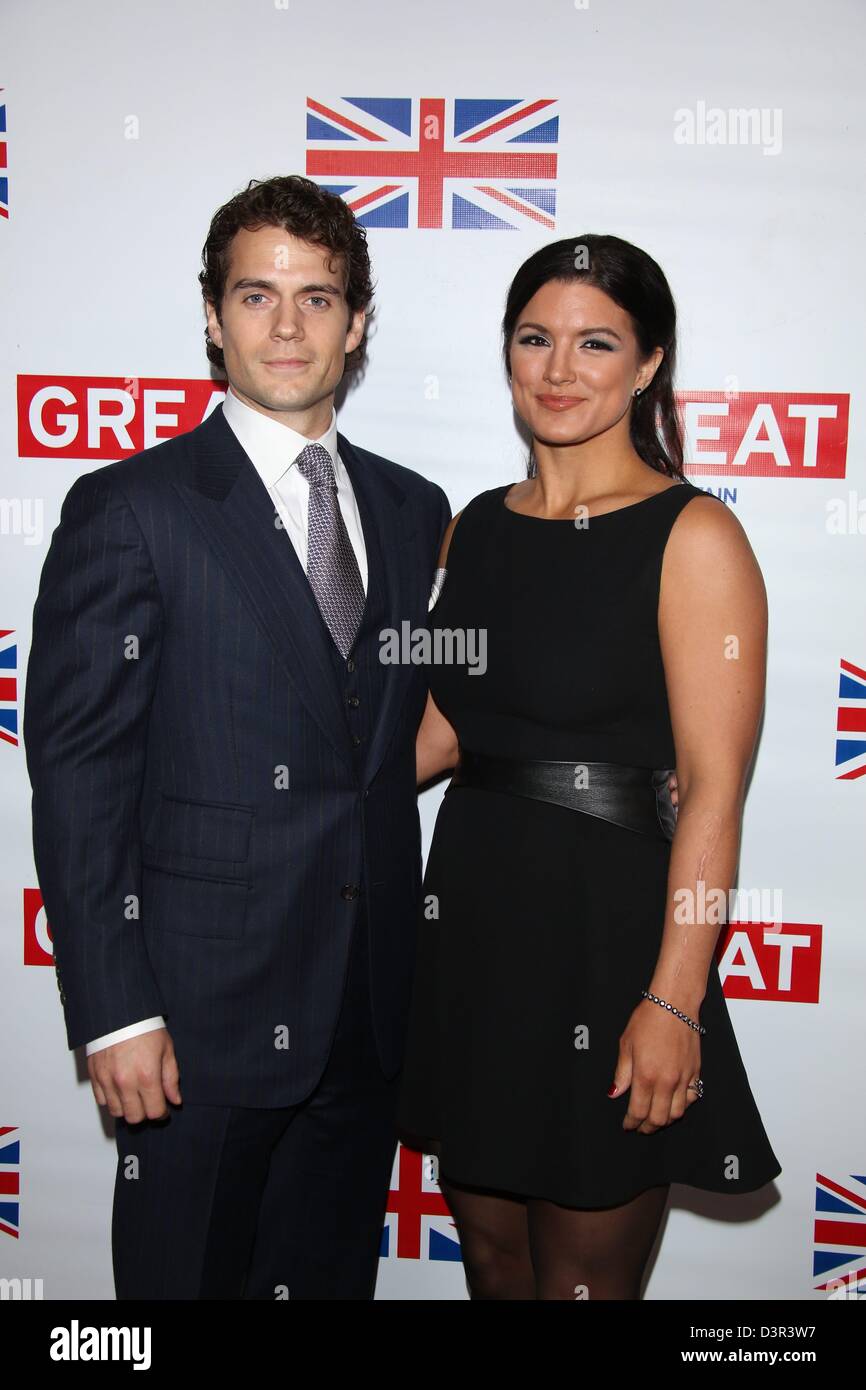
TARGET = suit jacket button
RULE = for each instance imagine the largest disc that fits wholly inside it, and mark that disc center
(349, 890)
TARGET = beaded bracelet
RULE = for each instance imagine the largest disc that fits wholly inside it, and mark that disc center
(698, 1027)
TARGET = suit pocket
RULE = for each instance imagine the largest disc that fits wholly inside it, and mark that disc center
(203, 833)
(193, 906)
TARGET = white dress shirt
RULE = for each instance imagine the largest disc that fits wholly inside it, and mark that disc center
(273, 449)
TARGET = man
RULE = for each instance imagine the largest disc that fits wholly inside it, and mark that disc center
(225, 822)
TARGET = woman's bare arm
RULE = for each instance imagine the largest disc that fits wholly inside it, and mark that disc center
(713, 634)
(436, 748)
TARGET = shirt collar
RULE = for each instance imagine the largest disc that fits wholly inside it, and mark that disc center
(272, 447)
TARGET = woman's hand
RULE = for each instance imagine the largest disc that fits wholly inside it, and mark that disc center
(658, 1056)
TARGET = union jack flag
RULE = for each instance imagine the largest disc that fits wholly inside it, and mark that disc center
(418, 1223)
(851, 722)
(8, 686)
(468, 164)
(4, 181)
(840, 1233)
(10, 1180)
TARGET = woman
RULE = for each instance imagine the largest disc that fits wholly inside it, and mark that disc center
(567, 1013)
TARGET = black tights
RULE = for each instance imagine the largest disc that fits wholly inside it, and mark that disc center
(525, 1248)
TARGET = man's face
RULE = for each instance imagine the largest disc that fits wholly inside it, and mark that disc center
(285, 326)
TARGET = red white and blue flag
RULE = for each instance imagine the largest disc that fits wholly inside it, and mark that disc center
(10, 1180)
(418, 1224)
(4, 179)
(8, 686)
(839, 1256)
(465, 164)
(851, 722)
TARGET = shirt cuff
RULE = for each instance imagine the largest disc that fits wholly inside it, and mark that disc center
(146, 1025)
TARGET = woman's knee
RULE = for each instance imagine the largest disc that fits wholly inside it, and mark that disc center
(497, 1271)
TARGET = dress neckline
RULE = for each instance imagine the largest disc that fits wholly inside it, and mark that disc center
(568, 520)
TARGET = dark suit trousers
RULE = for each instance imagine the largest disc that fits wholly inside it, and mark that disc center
(232, 1202)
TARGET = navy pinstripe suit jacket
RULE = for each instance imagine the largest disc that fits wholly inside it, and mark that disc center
(178, 677)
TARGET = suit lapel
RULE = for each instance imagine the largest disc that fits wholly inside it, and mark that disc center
(234, 510)
(380, 503)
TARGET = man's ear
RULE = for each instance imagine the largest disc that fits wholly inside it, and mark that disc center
(355, 331)
(213, 324)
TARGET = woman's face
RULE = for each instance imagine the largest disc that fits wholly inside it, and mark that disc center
(575, 363)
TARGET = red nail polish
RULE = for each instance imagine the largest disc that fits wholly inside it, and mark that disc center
(612, 1091)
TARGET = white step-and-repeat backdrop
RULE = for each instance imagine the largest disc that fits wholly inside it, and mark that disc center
(725, 142)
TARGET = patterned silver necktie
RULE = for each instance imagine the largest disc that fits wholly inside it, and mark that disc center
(332, 566)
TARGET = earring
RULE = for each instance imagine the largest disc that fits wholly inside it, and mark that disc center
(638, 391)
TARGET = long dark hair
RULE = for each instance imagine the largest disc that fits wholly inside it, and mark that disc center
(304, 210)
(637, 284)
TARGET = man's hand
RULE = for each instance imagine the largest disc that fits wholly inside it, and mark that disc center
(672, 783)
(137, 1078)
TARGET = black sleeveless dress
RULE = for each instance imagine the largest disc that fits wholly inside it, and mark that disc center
(540, 925)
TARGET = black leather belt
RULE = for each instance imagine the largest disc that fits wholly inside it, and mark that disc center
(635, 798)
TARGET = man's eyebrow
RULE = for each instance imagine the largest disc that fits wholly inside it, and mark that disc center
(248, 283)
(580, 332)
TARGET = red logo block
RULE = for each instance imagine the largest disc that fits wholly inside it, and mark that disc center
(104, 418)
(765, 434)
(38, 942)
(766, 960)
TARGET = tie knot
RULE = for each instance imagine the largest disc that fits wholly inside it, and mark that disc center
(317, 466)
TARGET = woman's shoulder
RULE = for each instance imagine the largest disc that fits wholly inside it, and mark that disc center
(705, 534)
(684, 488)
(705, 513)
(684, 497)
(474, 509)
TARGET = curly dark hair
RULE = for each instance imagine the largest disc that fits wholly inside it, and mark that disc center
(637, 284)
(304, 210)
